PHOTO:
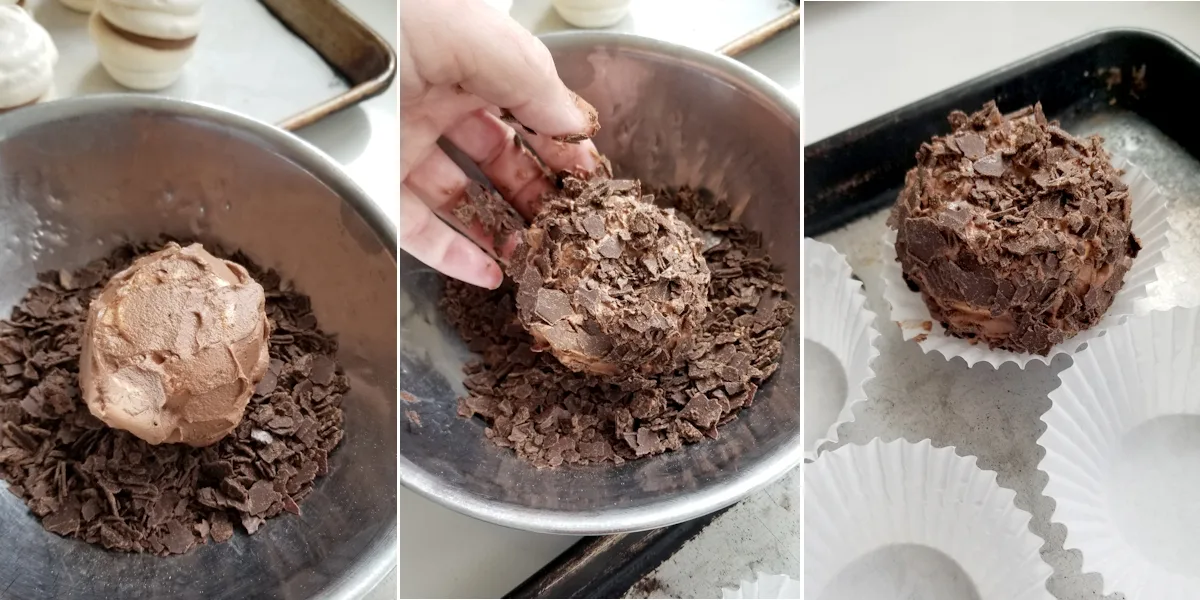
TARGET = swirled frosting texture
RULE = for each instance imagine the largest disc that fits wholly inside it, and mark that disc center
(174, 346)
(27, 58)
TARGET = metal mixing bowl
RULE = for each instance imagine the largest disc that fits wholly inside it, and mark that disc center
(77, 176)
(670, 115)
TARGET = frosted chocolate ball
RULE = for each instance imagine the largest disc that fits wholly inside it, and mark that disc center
(1016, 233)
(174, 346)
(610, 283)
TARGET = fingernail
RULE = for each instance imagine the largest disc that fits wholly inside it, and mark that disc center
(589, 119)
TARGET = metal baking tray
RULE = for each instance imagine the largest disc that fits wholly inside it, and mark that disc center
(730, 28)
(288, 62)
(1134, 88)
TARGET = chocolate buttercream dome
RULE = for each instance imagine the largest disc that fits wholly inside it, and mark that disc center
(610, 283)
(1016, 233)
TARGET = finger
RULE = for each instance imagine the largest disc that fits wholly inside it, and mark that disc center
(442, 185)
(431, 241)
(493, 145)
(580, 158)
(457, 42)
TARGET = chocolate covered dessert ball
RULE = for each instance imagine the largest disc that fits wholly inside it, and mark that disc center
(1016, 233)
(610, 283)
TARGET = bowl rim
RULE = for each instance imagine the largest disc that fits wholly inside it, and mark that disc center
(379, 557)
(657, 513)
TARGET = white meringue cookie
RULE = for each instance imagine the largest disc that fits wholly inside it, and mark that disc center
(83, 6)
(27, 58)
(134, 65)
(161, 19)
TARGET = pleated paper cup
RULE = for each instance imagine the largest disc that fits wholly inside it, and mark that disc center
(765, 586)
(1122, 445)
(836, 320)
(899, 520)
(1150, 225)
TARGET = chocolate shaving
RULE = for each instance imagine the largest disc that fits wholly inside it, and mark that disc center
(485, 209)
(551, 415)
(608, 282)
(105, 486)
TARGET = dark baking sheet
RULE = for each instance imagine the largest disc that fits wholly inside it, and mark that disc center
(359, 54)
(608, 566)
(1140, 77)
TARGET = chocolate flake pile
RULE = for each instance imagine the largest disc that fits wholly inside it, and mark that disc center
(551, 415)
(1015, 233)
(485, 209)
(608, 281)
(105, 486)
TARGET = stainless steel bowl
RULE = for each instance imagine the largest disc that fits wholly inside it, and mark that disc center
(670, 115)
(77, 176)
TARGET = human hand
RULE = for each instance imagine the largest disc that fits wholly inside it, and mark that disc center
(461, 62)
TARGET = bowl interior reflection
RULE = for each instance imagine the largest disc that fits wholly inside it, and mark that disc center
(672, 117)
(76, 178)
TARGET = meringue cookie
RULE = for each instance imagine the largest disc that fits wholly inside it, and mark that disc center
(138, 62)
(27, 58)
(592, 14)
(160, 19)
(83, 6)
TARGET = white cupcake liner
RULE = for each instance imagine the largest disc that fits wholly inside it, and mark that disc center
(765, 586)
(1128, 501)
(1150, 225)
(835, 316)
(862, 499)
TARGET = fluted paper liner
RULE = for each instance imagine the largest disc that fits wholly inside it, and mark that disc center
(1138, 372)
(765, 586)
(1149, 215)
(859, 499)
(836, 317)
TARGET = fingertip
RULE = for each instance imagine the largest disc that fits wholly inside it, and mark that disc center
(470, 263)
(493, 276)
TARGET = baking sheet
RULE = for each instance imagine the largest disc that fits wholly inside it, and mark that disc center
(245, 60)
(760, 533)
(995, 415)
(713, 25)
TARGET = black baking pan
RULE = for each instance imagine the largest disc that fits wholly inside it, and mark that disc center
(608, 566)
(1126, 72)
